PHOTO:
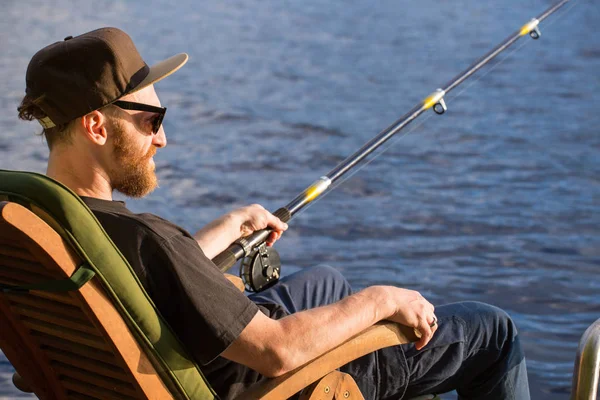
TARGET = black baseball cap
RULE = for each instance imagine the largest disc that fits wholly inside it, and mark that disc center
(80, 74)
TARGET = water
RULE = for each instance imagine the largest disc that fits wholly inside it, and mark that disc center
(495, 201)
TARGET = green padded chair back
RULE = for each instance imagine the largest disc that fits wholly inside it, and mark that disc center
(64, 211)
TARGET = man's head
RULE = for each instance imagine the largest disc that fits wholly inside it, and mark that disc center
(93, 94)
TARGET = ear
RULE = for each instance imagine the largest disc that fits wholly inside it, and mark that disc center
(95, 125)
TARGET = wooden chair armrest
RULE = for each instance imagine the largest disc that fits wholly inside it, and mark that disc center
(378, 336)
(236, 280)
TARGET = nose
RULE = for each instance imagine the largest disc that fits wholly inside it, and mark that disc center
(160, 139)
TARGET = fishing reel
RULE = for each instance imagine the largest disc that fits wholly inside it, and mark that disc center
(261, 268)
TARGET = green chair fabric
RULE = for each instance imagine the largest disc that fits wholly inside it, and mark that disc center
(62, 209)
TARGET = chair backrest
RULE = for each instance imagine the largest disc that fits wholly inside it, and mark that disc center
(85, 328)
(64, 344)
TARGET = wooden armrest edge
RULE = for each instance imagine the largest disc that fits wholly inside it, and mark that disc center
(378, 336)
(236, 280)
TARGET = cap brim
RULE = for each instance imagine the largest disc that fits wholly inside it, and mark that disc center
(161, 70)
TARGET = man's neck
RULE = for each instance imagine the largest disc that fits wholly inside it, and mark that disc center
(83, 176)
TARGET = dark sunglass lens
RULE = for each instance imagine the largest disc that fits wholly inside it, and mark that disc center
(156, 120)
(156, 123)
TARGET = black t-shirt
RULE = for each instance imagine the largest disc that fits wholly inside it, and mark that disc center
(204, 309)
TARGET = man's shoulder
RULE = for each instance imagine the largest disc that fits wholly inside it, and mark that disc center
(116, 218)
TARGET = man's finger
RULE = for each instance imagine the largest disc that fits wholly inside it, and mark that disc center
(276, 223)
(273, 236)
(432, 320)
(426, 334)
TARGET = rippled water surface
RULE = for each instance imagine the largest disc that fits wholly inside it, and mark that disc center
(497, 200)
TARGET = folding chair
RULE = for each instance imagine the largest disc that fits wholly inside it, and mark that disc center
(77, 323)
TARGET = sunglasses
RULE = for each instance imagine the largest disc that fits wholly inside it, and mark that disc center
(159, 111)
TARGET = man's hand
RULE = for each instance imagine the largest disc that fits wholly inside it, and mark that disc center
(302, 336)
(220, 233)
(254, 218)
(411, 309)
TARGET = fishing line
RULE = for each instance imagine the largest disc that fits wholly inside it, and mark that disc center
(511, 52)
(394, 141)
(547, 26)
(454, 96)
(261, 265)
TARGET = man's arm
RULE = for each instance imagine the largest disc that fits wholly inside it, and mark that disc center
(274, 347)
(220, 233)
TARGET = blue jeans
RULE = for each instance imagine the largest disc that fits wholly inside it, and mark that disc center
(475, 350)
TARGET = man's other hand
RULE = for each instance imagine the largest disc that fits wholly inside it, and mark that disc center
(254, 218)
(411, 309)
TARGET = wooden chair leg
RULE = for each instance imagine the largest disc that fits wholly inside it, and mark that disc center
(335, 385)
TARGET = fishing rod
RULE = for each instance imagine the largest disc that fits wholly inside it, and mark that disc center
(261, 265)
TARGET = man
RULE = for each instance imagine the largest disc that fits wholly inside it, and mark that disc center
(95, 98)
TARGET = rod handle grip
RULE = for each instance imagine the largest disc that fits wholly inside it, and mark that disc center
(226, 259)
(283, 214)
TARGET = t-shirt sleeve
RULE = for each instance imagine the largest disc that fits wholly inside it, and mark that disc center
(206, 311)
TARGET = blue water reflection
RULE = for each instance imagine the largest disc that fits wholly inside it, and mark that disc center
(495, 201)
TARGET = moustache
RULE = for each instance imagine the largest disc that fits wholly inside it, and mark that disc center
(150, 153)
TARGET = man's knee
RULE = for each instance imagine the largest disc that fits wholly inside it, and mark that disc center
(496, 317)
(491, 329)
(489, 325)
(332, 279)
(327, 273)
(308, 288)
